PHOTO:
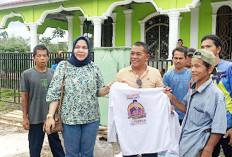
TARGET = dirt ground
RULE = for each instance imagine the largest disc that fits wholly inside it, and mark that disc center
(16, 144)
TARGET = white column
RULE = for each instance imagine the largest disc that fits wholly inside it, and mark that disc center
(194, 28)
(82, 19)
(142, 31)
(179, 20)
(97, 31)
(128, 23)
(214, 24)
(173, 31)
(113, 16)
(70, 32)
(33, 35)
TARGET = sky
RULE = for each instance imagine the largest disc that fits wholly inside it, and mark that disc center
(19, 29)
(7, 1)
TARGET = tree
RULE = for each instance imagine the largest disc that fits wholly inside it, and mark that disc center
(45, 40)
(58, 33)
(4, 35)
(14, 44)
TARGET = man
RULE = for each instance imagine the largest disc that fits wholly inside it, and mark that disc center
(179, 78)
(223, 80)
(204, 105)
(180, 44)
(190, 52)
(139, 75)
(135, 110)
(34, 86)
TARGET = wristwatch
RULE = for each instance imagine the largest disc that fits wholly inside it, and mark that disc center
(49, 115)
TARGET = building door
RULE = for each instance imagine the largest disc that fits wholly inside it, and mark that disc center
(156, 30)
(224, 31)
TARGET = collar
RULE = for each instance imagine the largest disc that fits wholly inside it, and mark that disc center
(202, 87)
(147, 68)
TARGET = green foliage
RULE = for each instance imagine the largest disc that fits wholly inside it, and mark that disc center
(57, 33)
(4, 35)
(7, 95)
(57, 47)
(45, 40)
(14, 44)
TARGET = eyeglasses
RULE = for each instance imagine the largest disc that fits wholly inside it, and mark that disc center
(139, 82)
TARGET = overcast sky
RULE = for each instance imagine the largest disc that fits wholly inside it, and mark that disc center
(19, 29)
(7, 1)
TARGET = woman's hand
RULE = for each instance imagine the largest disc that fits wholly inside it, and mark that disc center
(49, 125)
(105, 90)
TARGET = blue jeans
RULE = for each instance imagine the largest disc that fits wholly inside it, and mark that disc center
(143, 155)
(36, 138)
(80, 139)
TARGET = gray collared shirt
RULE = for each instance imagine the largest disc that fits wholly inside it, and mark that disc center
(206, 108)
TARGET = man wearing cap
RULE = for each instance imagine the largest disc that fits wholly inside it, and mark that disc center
(179, 78)
(189, 57)
(223, 80)
(204, 105)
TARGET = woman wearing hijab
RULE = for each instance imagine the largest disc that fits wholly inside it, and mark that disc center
(80, 111)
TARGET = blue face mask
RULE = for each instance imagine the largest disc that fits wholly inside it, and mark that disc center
(73, 60)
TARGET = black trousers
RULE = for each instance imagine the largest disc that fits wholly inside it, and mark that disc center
(227, 149)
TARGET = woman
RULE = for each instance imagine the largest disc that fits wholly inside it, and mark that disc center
(80, 112)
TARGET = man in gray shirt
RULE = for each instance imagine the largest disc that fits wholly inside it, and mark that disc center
(34, 86)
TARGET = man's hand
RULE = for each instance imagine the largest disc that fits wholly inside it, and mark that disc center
(172, 109)
(167, 90)
(229, 133)
(206, 153)
(26, 123)
(49, 125)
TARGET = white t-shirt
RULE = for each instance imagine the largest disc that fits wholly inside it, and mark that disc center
(142, 118)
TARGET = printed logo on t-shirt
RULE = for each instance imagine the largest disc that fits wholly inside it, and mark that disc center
(218, 76)
(136, 111)
(44, 82)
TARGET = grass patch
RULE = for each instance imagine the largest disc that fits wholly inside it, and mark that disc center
(7, 99)
(6, 107)
(9, 94)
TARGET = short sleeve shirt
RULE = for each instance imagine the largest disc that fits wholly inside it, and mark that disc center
(206, 109)
(151, 78)
(36, 85)
(179, 83)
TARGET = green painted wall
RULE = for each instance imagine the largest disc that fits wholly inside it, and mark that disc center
(76, 25)
(185, 28)
(113, 59)
(120, 27)
(205, 20)
(53, 24)
(90, 7)
(15, 18)
(140, 11)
